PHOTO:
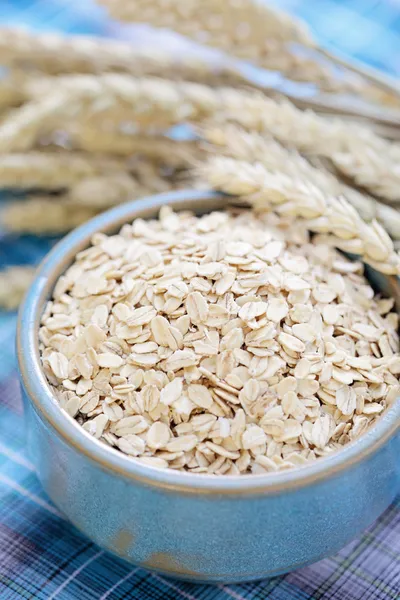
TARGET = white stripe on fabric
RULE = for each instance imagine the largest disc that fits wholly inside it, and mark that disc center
(174, 587)
(15, 457)
(119, 582)
(35, 499)
(231, 593)
(74, 574)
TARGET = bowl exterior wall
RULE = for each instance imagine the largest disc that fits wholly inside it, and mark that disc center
(211, 537)
(241, 532)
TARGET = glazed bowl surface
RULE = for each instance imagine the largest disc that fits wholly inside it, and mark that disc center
(204, 528)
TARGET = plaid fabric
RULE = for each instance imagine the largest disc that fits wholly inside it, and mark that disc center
(41, 555)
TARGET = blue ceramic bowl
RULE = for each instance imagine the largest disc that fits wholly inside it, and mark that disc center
(198, 527)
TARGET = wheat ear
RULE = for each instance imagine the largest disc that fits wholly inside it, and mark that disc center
(11, 94)
(56, 54)
(14, 281)
(103, 191)
(54, 214)
(43, 215)
(250, 146)
(174, 153)
(22, 127)
(145, 178)
(246, 22)
(324, 214)
(50, 171)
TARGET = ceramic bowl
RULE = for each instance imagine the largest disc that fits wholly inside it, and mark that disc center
(198, 527)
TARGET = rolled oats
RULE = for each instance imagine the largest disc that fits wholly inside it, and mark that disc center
(221, 344)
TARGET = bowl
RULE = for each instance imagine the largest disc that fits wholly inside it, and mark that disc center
(204, 528)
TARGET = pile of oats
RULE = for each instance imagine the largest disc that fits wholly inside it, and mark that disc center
(228, 343)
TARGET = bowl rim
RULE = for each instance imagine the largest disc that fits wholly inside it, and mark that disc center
(45, 404)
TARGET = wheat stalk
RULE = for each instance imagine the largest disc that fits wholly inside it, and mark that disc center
(288, 196)
(250, 146)
(50, 171)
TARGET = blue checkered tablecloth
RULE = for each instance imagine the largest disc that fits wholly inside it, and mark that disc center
(41, 555)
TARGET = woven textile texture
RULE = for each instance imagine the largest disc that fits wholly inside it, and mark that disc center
(41, 555)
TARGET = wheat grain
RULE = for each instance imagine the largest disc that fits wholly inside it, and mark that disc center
(326, 214)
(369, 209)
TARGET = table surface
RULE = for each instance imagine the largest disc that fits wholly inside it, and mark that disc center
(44, 557)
